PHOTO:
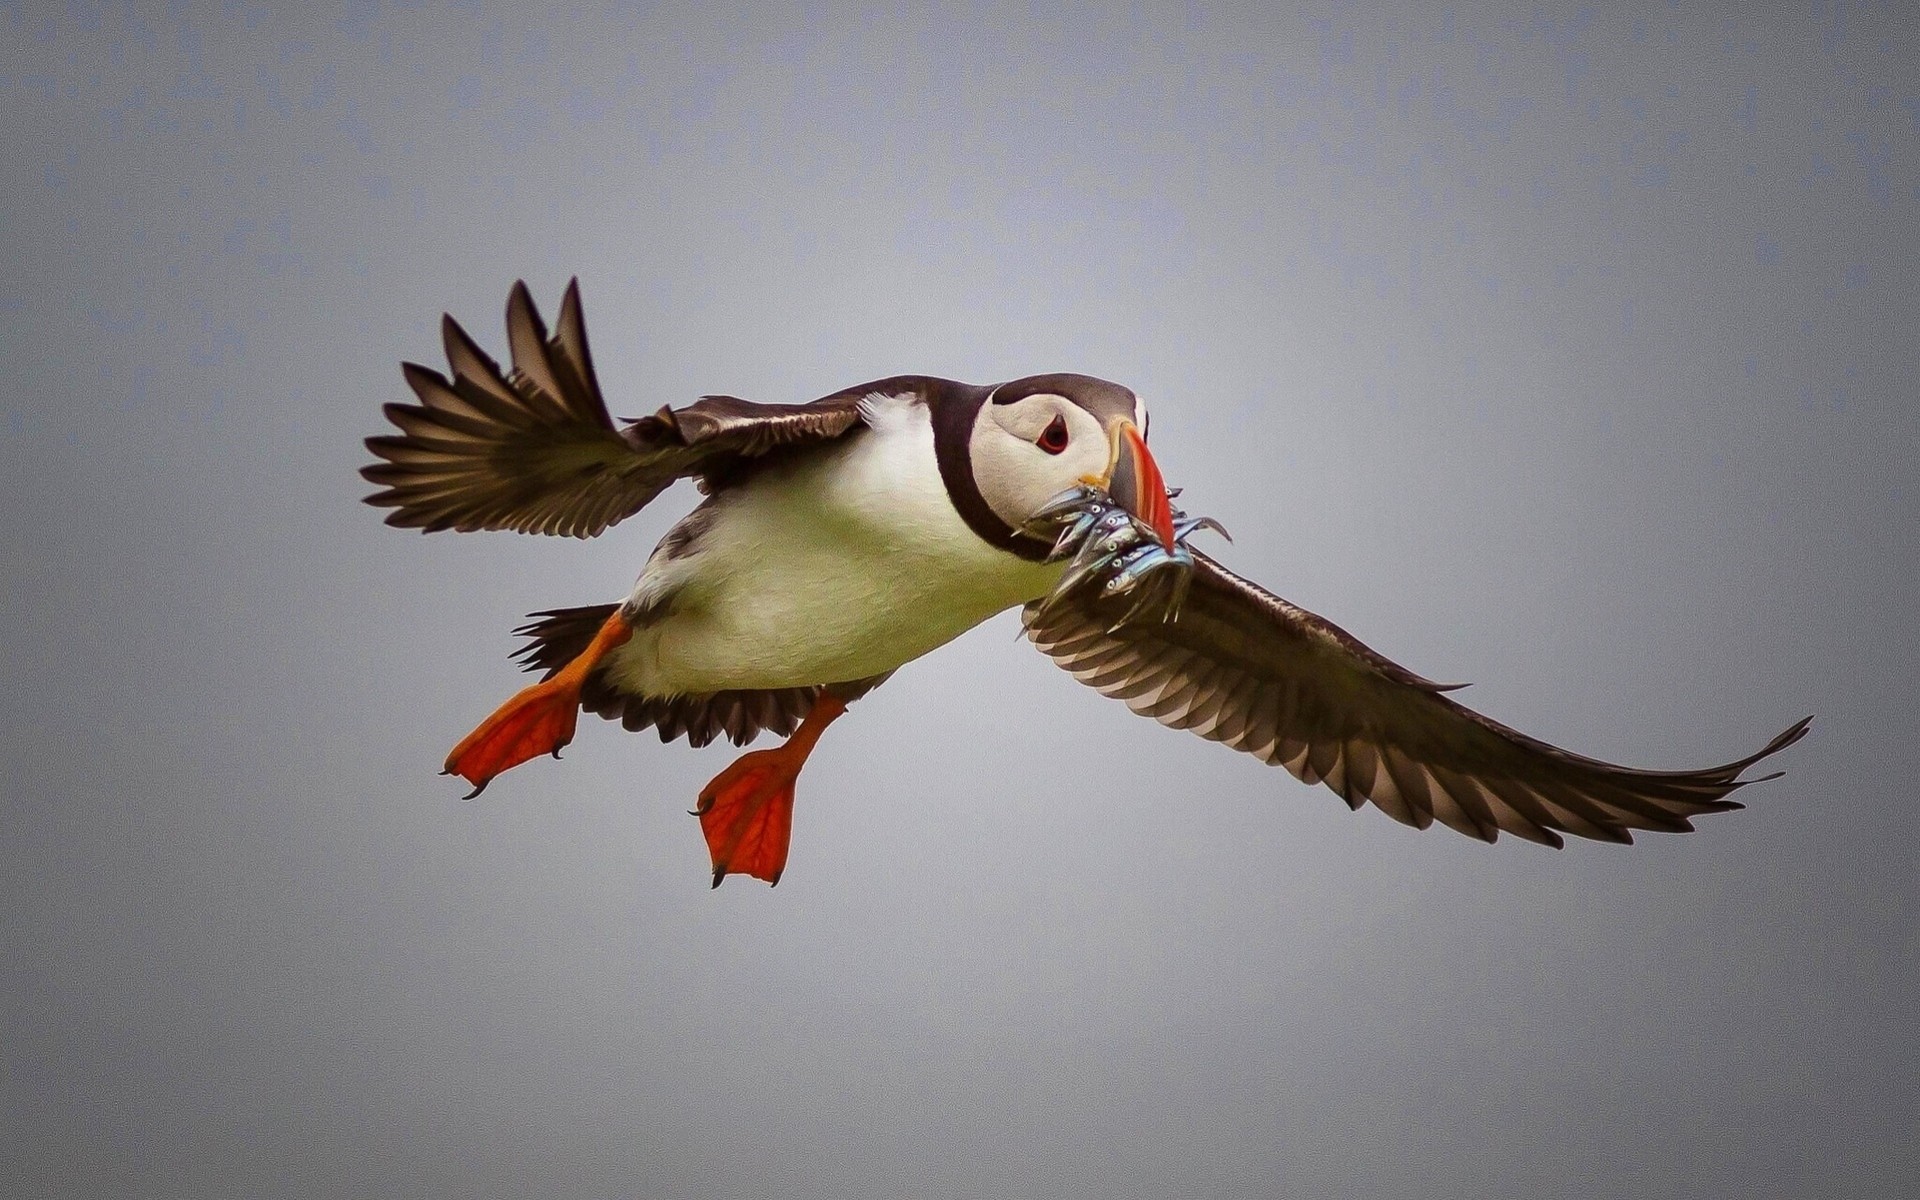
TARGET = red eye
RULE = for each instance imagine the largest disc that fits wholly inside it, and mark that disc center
(1054, 438)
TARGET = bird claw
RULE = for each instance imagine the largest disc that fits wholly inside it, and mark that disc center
(1113, 555)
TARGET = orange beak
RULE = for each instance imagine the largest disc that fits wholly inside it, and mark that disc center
(1134, 481)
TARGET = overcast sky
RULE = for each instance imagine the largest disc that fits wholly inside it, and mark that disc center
(1572, 353)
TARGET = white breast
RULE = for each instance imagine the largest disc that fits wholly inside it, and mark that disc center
(835, 567)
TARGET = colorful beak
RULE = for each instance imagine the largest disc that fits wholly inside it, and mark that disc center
(1134, 481)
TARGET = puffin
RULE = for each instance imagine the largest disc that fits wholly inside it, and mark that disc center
(840, 539)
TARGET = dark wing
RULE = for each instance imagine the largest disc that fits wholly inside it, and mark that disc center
(1242, 666)
(535, 451)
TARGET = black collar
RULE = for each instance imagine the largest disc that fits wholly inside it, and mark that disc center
(954, 408)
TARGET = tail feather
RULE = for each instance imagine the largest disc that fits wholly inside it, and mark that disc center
(557, 636)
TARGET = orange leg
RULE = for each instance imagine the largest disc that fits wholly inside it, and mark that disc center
(538, 721)
(747, 811)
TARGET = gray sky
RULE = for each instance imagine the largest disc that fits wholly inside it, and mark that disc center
(1573, 355)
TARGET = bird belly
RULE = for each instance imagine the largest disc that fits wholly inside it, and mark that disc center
(828, 569)
(813, 620)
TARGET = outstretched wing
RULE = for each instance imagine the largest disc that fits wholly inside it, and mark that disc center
(534, 450)
(1242, 666)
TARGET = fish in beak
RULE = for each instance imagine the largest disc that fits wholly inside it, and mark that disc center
(1134, 480)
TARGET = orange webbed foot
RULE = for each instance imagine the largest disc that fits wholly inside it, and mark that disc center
(539, 720)
(746, 813)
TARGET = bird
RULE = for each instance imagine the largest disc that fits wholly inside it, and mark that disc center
(840, 539)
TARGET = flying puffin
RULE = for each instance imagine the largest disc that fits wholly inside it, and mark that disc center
(841, 539)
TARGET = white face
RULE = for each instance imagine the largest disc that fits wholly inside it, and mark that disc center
(1026, 453)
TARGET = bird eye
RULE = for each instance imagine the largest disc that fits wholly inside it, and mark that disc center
(1053, 439)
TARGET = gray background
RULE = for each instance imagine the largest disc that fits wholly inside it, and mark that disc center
(1572, 353)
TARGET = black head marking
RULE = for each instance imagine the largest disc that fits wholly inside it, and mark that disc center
(956, 406)
(1103, 399)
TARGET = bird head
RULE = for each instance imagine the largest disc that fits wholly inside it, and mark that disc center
(1037, 437)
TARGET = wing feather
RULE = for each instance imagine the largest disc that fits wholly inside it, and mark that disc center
(1242, 666)
(534, 449)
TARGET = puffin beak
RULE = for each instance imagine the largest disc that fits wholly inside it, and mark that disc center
(1134, 481)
